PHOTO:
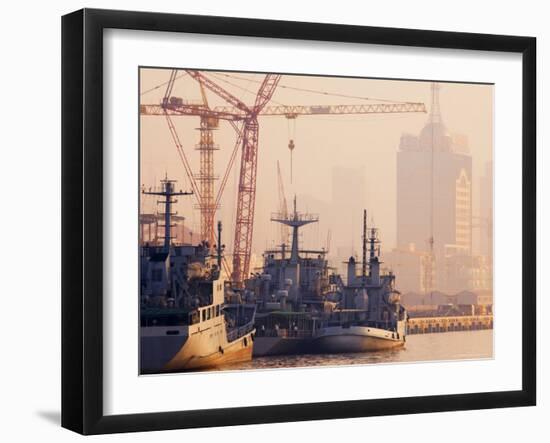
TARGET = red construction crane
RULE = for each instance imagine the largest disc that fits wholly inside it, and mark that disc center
(246, 199)
(244, 119)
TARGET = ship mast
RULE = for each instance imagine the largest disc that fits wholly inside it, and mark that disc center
(168, 192)
(219, 246)
(374, 247)
(296, 220)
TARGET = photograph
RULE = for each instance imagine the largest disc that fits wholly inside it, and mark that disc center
(292, 220)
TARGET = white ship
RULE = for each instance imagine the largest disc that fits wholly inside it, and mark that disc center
(385, 322)
(184, 322)
(210, 335)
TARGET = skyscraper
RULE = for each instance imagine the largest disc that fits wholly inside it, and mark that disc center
(434, 195)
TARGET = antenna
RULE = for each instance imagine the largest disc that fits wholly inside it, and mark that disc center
(168, 192)
(364, 265)
(374, 247)
(283, 208)
(435, 116)
(295, 221)
(435, 111)
(219, 244)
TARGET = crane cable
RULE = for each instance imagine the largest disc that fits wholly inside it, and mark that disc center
(313, 91)
(163, 84)
(244, 89)
(251, 80)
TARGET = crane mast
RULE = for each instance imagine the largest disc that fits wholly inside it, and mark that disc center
(206, 177)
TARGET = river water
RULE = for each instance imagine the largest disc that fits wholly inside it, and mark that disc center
(463, 345)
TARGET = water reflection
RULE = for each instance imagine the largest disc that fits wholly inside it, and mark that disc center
(464, 345)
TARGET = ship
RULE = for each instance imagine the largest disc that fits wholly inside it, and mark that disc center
(184, 321)
(384, 322)
(295, 290)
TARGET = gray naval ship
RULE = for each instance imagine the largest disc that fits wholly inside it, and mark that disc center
(184, 321)
(304, 307)
(379, 321)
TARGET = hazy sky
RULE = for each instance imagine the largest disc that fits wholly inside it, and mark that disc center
(322, 142)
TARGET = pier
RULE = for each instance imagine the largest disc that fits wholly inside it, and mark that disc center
(428, 325)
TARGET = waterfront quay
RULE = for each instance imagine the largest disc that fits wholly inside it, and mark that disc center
(427, 325)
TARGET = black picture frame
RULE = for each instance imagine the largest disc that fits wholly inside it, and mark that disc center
(82, 216)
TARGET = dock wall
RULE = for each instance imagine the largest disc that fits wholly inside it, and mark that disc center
(428, 325)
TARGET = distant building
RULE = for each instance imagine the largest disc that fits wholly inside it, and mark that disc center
(434, 196)
(482, 273)
(434, 298)
(413, 269)
(480, 298)
(455, 272)
(485, 220)
(151, 226)
(415, 301)
(182, 234)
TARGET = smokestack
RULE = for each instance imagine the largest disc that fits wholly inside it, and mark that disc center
(351, 271)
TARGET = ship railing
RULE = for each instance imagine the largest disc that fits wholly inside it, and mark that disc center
(275, 216)
(285, 333)
(234, 334)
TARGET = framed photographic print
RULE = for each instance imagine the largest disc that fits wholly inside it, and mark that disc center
(271, 221)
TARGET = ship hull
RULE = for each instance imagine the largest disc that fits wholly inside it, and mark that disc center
(335, 340)
(194, 355)
(205, 349)
(264, 346)
(157, 350)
